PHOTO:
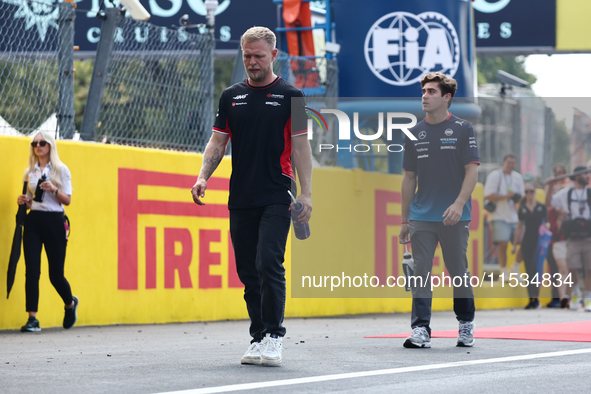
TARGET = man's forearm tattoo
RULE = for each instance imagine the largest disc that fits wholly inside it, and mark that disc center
(211, 162)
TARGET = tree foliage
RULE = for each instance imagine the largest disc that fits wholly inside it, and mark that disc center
(487, 67)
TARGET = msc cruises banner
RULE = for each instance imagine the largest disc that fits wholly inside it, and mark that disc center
(502, 24)
(37, 21)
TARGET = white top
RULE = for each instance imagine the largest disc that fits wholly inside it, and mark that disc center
(50, 202)
(578, 203)
(497, 182)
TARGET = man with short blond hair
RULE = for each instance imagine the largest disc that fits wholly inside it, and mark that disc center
(258, 33)
(257, 115)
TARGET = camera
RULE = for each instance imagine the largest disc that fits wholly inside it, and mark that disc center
(516, 197)
(505, 77)
(40, 193)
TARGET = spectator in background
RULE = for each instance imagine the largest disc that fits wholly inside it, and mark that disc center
(531, 215)
(557, 251)
(505, 188)
(527, 177)
(574, 204)
(44, 226)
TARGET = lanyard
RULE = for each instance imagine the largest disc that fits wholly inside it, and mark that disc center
(508, 182)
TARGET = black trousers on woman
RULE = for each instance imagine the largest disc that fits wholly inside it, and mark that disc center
(45, 229)
(528, 251)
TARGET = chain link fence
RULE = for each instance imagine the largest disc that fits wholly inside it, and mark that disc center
(29, 66)
(158, 87)
(160, 96)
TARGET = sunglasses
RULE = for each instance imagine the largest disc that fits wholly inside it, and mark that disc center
(40, 143)
(530, 191)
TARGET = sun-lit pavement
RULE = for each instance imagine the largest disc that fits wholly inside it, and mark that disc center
(171, 357)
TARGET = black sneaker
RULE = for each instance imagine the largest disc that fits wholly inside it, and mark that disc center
(555, 303)
(564, 303)
(533, 304)
(70, 315)
(32, 325)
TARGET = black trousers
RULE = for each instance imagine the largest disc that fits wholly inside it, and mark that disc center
(45, 229)
(553, 270)
(528, 251)
(259, 236)
(424, 237)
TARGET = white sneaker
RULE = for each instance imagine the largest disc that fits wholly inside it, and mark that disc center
(575, 301)
(587, 305)
(252, 355)
(505, 271)
(466, 334)
(419, 338)
(516, 268)
(271, 350)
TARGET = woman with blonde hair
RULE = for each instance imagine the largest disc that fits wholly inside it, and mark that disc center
(49, 189)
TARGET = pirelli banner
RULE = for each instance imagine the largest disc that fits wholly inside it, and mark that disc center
(140, 251)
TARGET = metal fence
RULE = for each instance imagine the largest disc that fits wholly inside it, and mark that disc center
(160, 96)
(497, 132)
(157, 93)
(523, 126)
(29, 66)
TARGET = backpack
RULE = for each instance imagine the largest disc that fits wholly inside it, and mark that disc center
(577, 228)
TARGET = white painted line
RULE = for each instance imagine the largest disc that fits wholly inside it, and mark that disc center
(325, 378)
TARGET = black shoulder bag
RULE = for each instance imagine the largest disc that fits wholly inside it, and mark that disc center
(578, 228)
(491, 206)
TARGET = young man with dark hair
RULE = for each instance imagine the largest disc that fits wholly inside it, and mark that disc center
(443, 162)
(257, 115)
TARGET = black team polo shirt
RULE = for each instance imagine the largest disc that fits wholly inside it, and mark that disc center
(259, 121)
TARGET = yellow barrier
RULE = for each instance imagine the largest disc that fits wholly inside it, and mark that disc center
(141, 251)
(572, 28)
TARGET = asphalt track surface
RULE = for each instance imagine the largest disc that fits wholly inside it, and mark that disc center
(320, 355)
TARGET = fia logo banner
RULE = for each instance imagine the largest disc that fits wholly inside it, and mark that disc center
(401, 47)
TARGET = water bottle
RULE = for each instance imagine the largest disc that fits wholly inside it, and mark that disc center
(301, 230)
(408, 267)
(40, 193)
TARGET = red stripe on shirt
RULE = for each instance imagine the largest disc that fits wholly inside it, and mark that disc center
(262, 87)
(286, 155)
(301, 132)
(223, 131)
(448, 117)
